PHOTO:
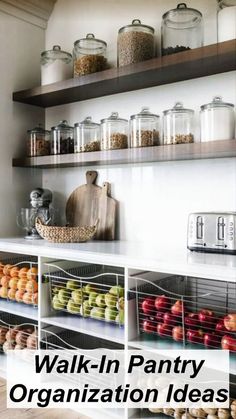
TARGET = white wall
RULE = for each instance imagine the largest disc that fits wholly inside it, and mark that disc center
(20, 48)
(156, 199)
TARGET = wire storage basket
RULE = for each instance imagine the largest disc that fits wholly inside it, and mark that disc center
(19, 280)
(186, 311)
(16, 333)
(91, 292)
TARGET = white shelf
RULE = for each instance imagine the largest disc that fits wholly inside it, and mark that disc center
(89, 327)
(19, 309)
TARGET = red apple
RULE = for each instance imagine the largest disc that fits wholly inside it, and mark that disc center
(178, 334)
(159, 317)
(195, 336)
(220, 327)
(170, 319)
(148, 306)
(164, 330)
(230, 322)
(212, 340)
(191, 320)
(207, 318)
(149, 326)
(162, 303)
(177, 309)
(227, 342)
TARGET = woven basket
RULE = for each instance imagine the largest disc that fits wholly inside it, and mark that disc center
(65, 234)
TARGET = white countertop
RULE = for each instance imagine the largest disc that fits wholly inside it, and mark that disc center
(131, 255)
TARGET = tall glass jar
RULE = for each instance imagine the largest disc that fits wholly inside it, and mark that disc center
(226, 20)
(114, 132)
(135, 43)
(56, 65)
(89, 55)
(144, 129)
(182, 29)
(217, 120)
(87, 136)
(62, 138)
(38, 142)
(178, 125)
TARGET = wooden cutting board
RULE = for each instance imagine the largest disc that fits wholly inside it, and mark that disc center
(89, 203)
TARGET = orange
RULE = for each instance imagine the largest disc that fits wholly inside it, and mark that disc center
(21, 284)
(5, 281)
(3, 292)
(32, 286)
(13, 283)
(28, 298)
(6, 269)
(23, 273)
(32, 273)
(11, 294)
(14, 271)
(19, 296)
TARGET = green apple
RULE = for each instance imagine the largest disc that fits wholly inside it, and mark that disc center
(85, 309)
(72, 285)
(100, 300)
(57, 305)
(97, 313)
(117, 290)
(120, 305)
(120, 318)
(110, 314)
(110, 300)
(77, 296)
(92, 299)
(89, 288)
(63, 296)
(72, 307)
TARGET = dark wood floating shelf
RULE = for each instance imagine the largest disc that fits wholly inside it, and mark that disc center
(205, 61)
(210, 150)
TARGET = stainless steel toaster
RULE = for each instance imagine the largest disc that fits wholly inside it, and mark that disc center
(213, 232)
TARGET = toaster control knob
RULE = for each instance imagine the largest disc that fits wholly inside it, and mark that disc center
(221, 228)
(199, 227)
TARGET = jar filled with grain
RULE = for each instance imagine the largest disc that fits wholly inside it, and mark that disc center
(135, 43)
(62, 138)
(178, 125)
(114, 132)
(87, 136)
(144, 129)
(89, 55)
(56, 65)
(38, 142)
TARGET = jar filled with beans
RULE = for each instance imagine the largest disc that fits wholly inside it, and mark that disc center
(38, 142)
(89, 55)
(114, 132)
(87, 136)
(62, 138)
(144, 129)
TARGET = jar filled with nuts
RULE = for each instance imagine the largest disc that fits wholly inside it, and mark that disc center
(62, 139)
(38, 142)
(178, 125)
(135, 43)
(144, 129)
(89, 55)
(114, 132)
(87, 136)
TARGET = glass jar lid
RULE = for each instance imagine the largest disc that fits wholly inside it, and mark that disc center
(217, 102)
(62, 126)
(90, 42)
(144, 114)
(178, 108)
(136, 25)
(114, 117)
(226, 3)
(55, 54)
(38, 130)
(182, 17)
(87, 123)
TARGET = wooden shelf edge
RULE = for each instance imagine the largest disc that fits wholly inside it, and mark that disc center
(195, 151)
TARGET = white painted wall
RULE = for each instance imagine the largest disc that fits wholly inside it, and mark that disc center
(20, 48)
(156, 199)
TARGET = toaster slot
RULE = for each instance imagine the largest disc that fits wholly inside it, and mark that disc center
(221, 228)
(199, 227)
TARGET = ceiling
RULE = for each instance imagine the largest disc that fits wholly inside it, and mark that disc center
(36, 12)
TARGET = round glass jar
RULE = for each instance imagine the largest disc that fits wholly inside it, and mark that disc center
(62, 138)
(135, 43)
(144, 129)
(87, 136)
(56, 65)
(114, 132)
(217, 120)
(38, 142)
(89, 55)
(178, 125)
(181, 30)
(226, 20)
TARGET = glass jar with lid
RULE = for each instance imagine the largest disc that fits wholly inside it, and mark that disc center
(38, 142)
(182, 29)
(89, 55)
(87, 136)
(217, 120)
(144, 129)
(114, 132)
(56, 65)
(226, 20)
(135, 43)
(178, 125)
(62, 138)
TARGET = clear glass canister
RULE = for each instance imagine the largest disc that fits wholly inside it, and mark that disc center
(87, 136)
(114, 132)
(144, 129)
(217, 120)
(62, 138)
(89, 55)
(135, 43)
(178, 125)
(38, 142)
(182, 29)
(56, 65)
(226, 20)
